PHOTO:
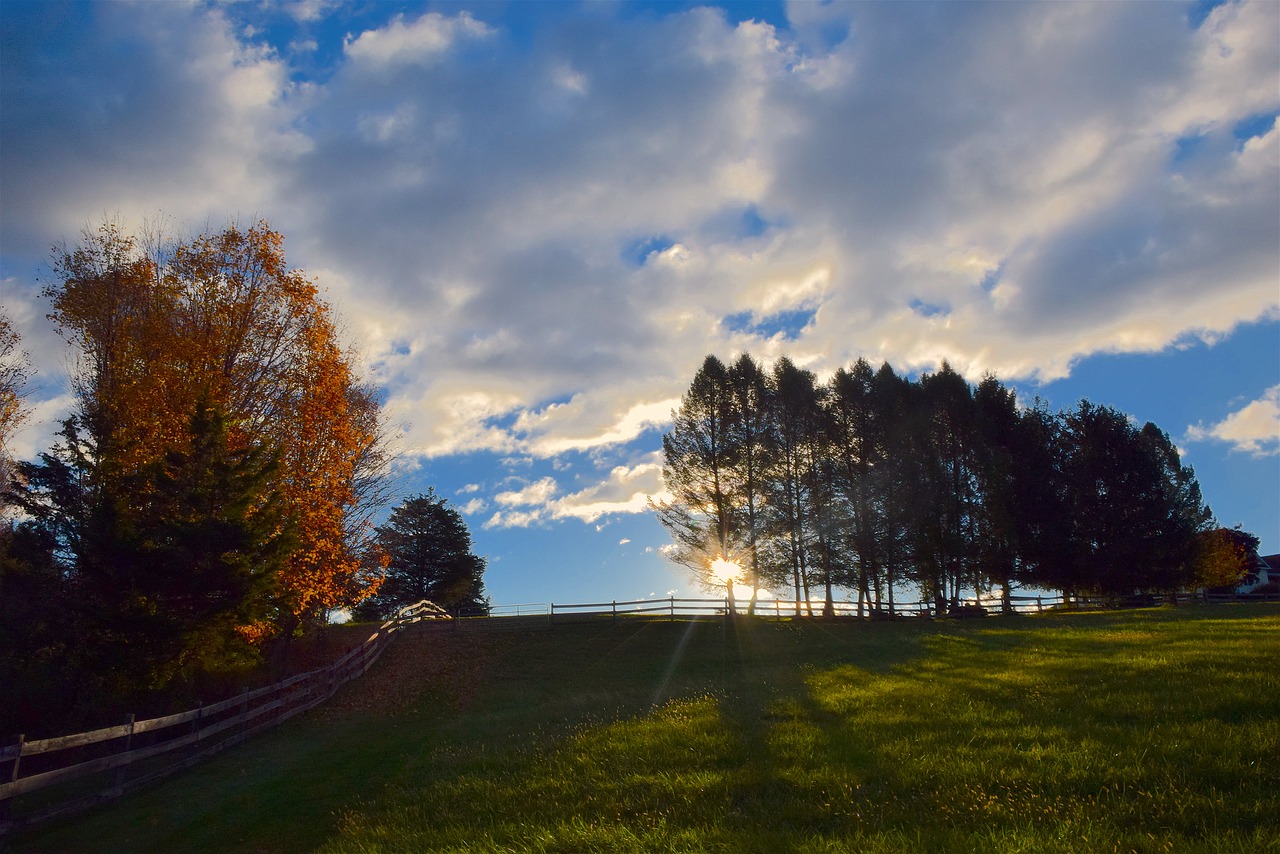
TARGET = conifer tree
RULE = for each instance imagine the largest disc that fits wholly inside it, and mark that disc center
(428, 555)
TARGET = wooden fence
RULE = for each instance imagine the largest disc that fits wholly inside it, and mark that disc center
(671, 607)
(101, 765)
(778, 608)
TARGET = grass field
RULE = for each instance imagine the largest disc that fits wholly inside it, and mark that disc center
(1154, 730)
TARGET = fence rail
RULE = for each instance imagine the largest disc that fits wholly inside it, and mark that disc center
(672, 607)
(192, 735)
(779, 608)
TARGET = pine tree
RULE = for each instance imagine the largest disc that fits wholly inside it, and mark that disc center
(428, 555)
(699, 456)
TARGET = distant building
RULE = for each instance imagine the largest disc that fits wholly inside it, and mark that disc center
(1265, 573)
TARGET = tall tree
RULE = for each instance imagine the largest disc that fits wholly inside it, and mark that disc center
(947, 536)
(1042, 514)
(222, 318)
(996, 549)
(749, 436)
(899, 480)
(428, 555)
(1135, 509)
(698, 459)
(15, 373)
(858, 458)
(795, 414)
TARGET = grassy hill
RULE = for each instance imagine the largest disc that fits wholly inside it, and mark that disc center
(1132, 731)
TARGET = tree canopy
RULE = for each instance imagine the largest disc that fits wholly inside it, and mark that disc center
(214, 485)
(870, 480)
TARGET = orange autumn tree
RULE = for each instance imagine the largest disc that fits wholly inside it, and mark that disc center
(221, 320)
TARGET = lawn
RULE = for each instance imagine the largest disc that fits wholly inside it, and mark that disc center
(1154, 730)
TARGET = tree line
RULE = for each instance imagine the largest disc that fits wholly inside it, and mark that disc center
(213, 493)
(871, 481)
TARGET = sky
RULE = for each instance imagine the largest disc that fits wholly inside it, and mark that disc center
(537, 219)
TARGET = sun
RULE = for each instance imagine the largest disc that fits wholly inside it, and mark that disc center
(725, 570)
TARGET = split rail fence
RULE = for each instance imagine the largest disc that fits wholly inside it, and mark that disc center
(98, 766)
(672, 607)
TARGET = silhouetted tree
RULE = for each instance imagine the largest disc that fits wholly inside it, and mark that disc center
(794, 413)
(699, 457)
(749, 430)
(428, 556)
(1135, 509)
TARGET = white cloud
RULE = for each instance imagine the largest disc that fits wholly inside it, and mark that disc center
(309, 10)
(1254, 428)
(625, 489)
(628, 489)
(513, 519)
(474, 506)
(537, 493)
(624, 541)
(537, 257)
(418, 42)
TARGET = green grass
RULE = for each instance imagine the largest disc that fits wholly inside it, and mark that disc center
(1139, 731)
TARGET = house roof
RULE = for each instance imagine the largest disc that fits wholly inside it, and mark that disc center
(1272, 562)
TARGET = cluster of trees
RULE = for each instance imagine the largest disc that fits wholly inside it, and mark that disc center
(212, 493)
(871, 481)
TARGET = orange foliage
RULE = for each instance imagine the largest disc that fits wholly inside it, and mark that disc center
(222, 316)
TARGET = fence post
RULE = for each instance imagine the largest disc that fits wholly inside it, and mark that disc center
(195, 725)
(1039, 605)
(551, 614)
(13, 774)
(128, 745)
(13, 778)
(615, 610)
(671, 615)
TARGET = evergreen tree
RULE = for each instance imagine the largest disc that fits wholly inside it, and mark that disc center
(1136, 510)
(858, 445)
(162, 565)
(699, 458)
(996, 548)
(749, 436)
(948, 534)
(428, 556)
(794, 413)
(1041, 505)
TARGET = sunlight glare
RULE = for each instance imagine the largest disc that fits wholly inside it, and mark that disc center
(725, 570)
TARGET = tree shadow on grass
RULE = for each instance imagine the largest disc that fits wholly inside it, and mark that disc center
(1031, 735)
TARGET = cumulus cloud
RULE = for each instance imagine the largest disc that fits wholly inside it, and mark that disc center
(474, 506)
(418, 42)
(197, 123)
(535, 248)
(625, 489)
(1254, 428)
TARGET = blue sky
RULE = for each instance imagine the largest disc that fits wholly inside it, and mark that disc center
(537, 218)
